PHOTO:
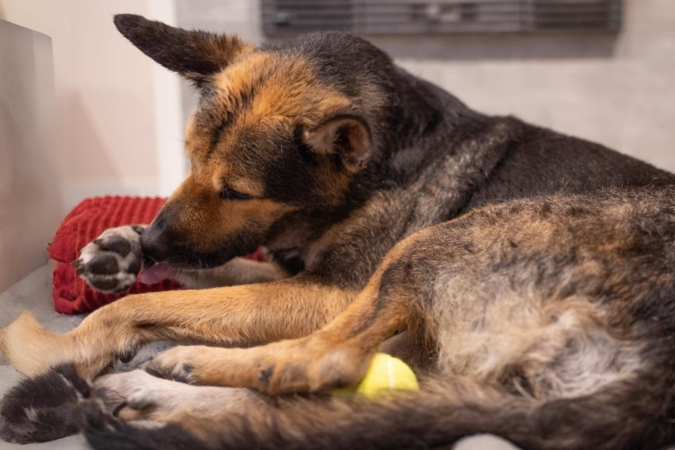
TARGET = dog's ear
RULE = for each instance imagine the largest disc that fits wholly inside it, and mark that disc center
(345, 135)
(194, 54)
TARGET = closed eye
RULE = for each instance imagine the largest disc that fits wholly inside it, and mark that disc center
(231, 194)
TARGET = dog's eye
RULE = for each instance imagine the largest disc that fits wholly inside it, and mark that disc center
(231, 194)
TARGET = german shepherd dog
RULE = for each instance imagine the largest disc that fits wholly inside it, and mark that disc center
(526, 276)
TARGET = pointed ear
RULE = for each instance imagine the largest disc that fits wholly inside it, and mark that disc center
(194, 54)
(345, 135)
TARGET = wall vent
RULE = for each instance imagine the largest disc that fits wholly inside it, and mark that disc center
(281, 17)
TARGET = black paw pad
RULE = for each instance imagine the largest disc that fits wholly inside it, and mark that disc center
(43, 408)
(110, 285)
(103, 264)
(116, 244)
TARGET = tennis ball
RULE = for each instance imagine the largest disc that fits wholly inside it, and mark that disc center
(386, 374)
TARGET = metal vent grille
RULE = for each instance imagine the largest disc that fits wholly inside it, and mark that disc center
(441, 16)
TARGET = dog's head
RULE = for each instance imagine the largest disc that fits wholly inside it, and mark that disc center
(278, 129)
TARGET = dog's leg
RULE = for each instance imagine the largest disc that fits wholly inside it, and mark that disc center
(239, 315)
(335, 356)
(236, 272)
(137, 395)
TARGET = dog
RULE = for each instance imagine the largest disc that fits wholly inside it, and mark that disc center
(527, 277)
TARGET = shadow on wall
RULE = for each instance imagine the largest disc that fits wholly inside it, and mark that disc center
(496, 46)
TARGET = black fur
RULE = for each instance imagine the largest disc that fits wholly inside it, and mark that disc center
(105, 432)
(160, 42)
(43, 408)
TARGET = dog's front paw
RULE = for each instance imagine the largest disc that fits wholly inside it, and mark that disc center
(176, 364)
(111, 262)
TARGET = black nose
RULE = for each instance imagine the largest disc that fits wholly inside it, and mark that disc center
(155, 239)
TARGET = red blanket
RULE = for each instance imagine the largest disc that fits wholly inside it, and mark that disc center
(84, 223)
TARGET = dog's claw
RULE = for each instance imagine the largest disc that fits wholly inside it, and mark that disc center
(118, 408)
(137, 228)
(174, 364)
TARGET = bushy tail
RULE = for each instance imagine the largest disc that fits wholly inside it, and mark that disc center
(633, 414)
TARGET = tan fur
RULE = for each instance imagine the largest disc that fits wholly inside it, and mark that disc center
(335, 356)
(322, 138)
(224, 316)
(31, 349)
(200, 197)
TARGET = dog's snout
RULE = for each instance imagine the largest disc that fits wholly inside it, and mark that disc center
(154, 241)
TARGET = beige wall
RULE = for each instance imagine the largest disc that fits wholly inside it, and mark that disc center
(105, 118)
(82, 113)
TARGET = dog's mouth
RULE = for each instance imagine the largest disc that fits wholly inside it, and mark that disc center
(156, 272)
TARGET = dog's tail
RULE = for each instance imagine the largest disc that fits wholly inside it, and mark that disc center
(636, 414)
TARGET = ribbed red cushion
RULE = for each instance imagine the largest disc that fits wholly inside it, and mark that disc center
(85, 223)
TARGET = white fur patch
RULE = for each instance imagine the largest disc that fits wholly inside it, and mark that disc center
(31, 414)
(169, 400)
(561, 346)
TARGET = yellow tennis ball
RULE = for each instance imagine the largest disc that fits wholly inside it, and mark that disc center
(386, 374)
